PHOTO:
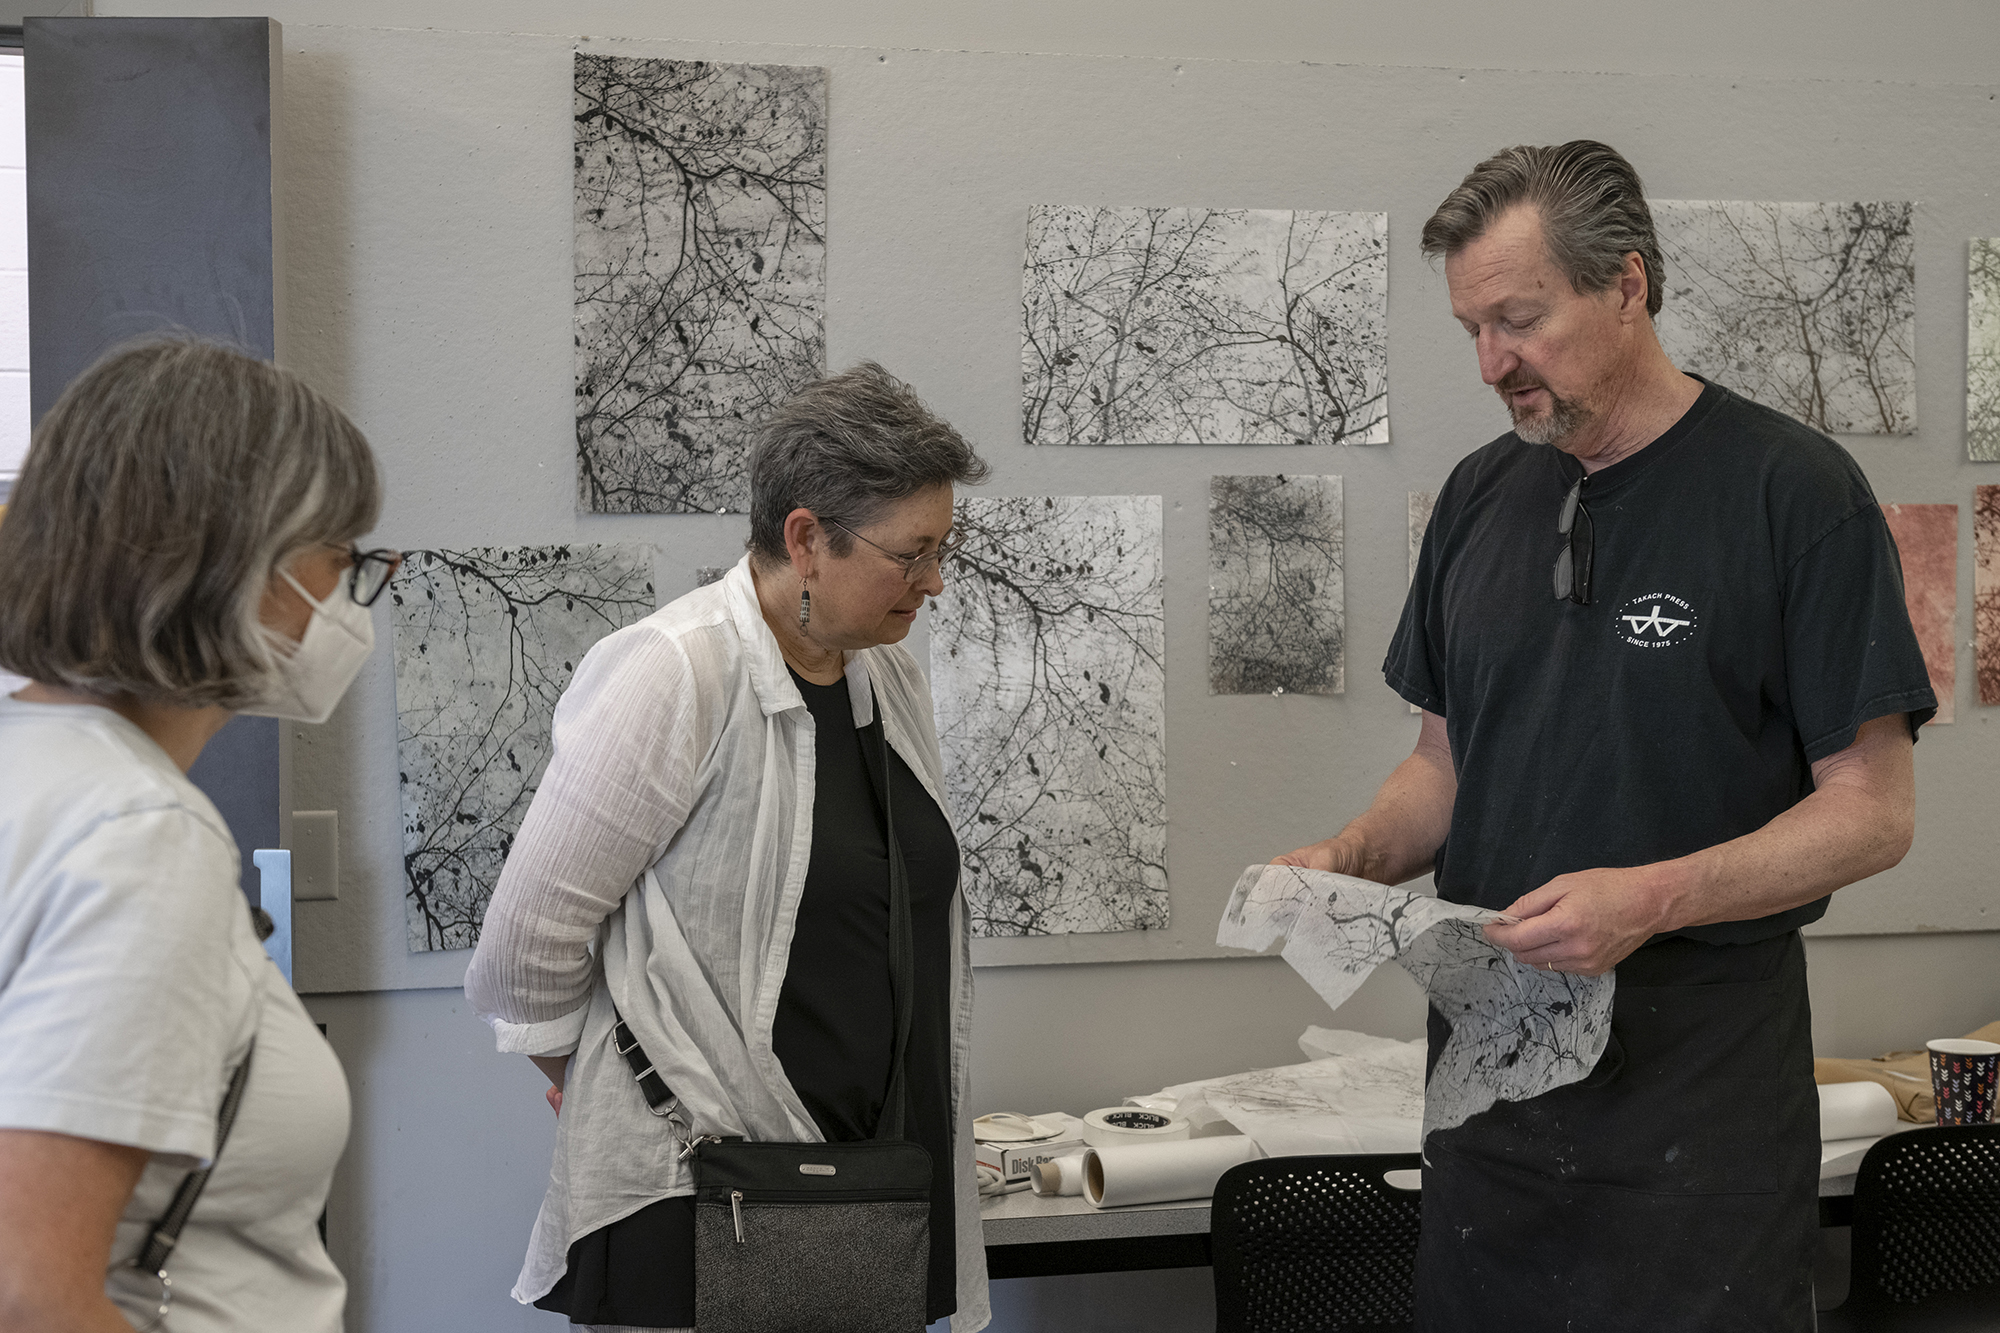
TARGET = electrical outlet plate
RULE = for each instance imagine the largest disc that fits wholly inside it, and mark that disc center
(315, 855)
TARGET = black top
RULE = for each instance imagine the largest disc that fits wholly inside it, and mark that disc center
(1746, 617)
(836, 1018)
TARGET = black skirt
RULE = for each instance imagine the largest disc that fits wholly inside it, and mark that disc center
(1675, 1188)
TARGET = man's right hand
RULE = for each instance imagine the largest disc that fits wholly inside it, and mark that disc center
(1338, 855)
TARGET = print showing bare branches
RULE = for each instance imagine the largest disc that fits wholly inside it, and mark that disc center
(1047, 652)
(1276, 611)
(700, 271)
(1205, 326)
(1808, 308)
(1982, 353)
(1422, 503)
(486, 641)
(707, 574)
(1986, 590)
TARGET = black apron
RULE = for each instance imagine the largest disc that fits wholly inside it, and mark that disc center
(1675, 1188)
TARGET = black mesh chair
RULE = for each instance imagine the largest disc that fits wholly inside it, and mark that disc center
(1303, 1244)
(1926, 1245)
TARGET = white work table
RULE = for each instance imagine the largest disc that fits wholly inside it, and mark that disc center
(1030, 1235)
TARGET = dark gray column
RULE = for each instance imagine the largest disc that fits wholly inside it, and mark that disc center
(150, 176)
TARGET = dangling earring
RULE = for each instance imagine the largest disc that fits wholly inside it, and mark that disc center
(805, 606)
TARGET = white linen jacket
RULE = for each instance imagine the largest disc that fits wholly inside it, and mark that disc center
(660, 867)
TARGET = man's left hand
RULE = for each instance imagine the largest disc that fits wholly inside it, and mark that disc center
(1586, 922)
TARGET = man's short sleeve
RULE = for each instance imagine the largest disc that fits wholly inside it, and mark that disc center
(1850, 653)
(125, 999)
(1414, 667)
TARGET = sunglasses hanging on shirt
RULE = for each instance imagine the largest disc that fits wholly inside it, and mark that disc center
(1572, 571)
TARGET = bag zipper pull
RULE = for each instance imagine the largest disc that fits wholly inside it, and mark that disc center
(736, 1207)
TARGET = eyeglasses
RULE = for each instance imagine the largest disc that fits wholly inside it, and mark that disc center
(914, 566)
(372, 571)
(1572, 572)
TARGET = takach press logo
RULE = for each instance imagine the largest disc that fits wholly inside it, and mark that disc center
(1655, 620)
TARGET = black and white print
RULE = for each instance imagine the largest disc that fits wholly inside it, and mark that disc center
(1276, 616)
(1422, 503)
(1808, 308)
(486, 641)
(700, 272)
(1205, 326)
(1047, 652)
(1982, 353)
(1516, 1032)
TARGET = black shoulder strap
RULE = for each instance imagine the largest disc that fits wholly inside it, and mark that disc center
(166, 1232)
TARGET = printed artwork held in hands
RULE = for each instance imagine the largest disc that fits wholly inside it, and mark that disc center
(1516, 1032)
(1047, 652)
(486, 642)
(1808, 308)
(1276, 610)
(1204, 326)
(700, 198)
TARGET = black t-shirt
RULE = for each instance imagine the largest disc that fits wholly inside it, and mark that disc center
(1746, 617)
(836, 1020)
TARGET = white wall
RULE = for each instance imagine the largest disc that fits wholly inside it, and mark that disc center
(414, 308)
(13, 272)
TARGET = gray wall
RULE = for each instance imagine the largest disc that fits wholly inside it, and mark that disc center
(429, 293)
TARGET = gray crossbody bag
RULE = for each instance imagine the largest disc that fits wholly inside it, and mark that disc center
(813, 1237)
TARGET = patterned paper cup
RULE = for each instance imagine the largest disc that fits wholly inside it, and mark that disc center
(1964, 1075)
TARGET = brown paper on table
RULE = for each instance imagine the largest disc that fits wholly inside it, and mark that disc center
(1914, 1101)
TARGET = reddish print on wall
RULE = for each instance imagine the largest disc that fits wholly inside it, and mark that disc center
(1927, 539)
(1986, 590)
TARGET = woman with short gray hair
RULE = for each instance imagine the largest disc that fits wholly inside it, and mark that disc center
(706, 858)
(180, 548)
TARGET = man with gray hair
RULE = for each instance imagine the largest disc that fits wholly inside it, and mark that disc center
(1663, 752)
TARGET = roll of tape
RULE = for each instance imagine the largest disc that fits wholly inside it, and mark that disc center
(1129, 1124)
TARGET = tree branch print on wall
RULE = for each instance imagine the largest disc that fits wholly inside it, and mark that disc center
(700, 272)
(1205, 326)
(1047, 651)
(1982, 353)
(1808, 308)
(486, 641)
(1986, 591)
(1276, 612)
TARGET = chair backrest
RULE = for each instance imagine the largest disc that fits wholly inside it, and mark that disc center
(1927, 1215)
(1309, 1243)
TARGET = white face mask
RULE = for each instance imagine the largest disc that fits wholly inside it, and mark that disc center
(316, 671)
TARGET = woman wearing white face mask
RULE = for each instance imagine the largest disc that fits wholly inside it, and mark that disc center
(179, 549)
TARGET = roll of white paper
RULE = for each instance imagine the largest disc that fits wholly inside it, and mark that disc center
(1129, 1124)
(1855, 1110)
(1161, 1172)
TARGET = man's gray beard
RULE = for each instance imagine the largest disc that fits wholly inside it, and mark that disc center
(1563, 419)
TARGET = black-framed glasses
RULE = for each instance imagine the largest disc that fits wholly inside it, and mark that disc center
(372, 571)
(914, 566)
(1572, 572)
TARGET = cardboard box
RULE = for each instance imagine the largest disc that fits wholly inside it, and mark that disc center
(1015, 1160)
